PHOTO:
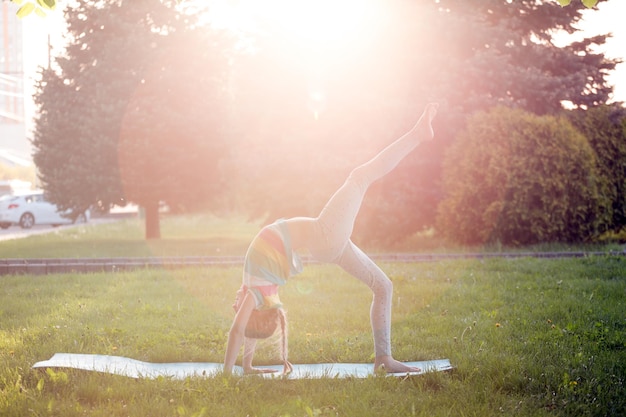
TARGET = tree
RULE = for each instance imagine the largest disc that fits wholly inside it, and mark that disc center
(520, 179)
(496, 52)
(144, 88)
(469, 55)
(473, 55)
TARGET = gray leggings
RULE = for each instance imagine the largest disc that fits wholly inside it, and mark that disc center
(333, 227)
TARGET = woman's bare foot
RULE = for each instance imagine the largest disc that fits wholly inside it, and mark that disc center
(424, 124)
(392, 366)
(256, 371)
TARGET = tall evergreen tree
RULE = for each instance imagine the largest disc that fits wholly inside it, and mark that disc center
(133, 112)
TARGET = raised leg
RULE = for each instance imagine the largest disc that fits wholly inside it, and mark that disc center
(336, 219)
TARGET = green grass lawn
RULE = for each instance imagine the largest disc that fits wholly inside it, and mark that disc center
(527, 337)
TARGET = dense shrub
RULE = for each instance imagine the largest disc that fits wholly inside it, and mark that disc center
(518, 179)
(605, 129)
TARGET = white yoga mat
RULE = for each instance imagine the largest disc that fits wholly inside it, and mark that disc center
(118, 365)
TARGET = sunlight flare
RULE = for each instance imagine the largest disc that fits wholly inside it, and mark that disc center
(320, 22)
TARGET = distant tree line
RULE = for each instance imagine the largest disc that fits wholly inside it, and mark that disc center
(150, 105)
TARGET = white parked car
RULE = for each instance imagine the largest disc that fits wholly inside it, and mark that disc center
(31, 208)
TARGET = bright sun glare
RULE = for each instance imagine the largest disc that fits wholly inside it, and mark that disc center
(318, 23)
(318, 32)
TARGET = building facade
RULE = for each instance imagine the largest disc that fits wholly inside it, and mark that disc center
(13, 140)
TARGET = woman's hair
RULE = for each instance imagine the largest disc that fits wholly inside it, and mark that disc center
(263, 323)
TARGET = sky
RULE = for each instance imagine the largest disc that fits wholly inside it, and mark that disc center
(608, 17)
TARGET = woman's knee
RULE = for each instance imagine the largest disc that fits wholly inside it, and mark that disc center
(359, 176)
(382, 286)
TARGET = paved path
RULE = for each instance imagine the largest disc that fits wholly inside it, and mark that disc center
(16, 232)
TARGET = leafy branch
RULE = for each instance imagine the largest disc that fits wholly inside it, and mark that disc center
(42, 7)
(587, 3)
(39, 7)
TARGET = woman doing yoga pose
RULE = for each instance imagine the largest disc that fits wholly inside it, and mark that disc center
(271, 259)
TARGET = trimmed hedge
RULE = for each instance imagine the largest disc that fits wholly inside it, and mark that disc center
(605, 128)
(518, 179)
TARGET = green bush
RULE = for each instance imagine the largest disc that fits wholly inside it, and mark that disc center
(517, 179)
(605, 129)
